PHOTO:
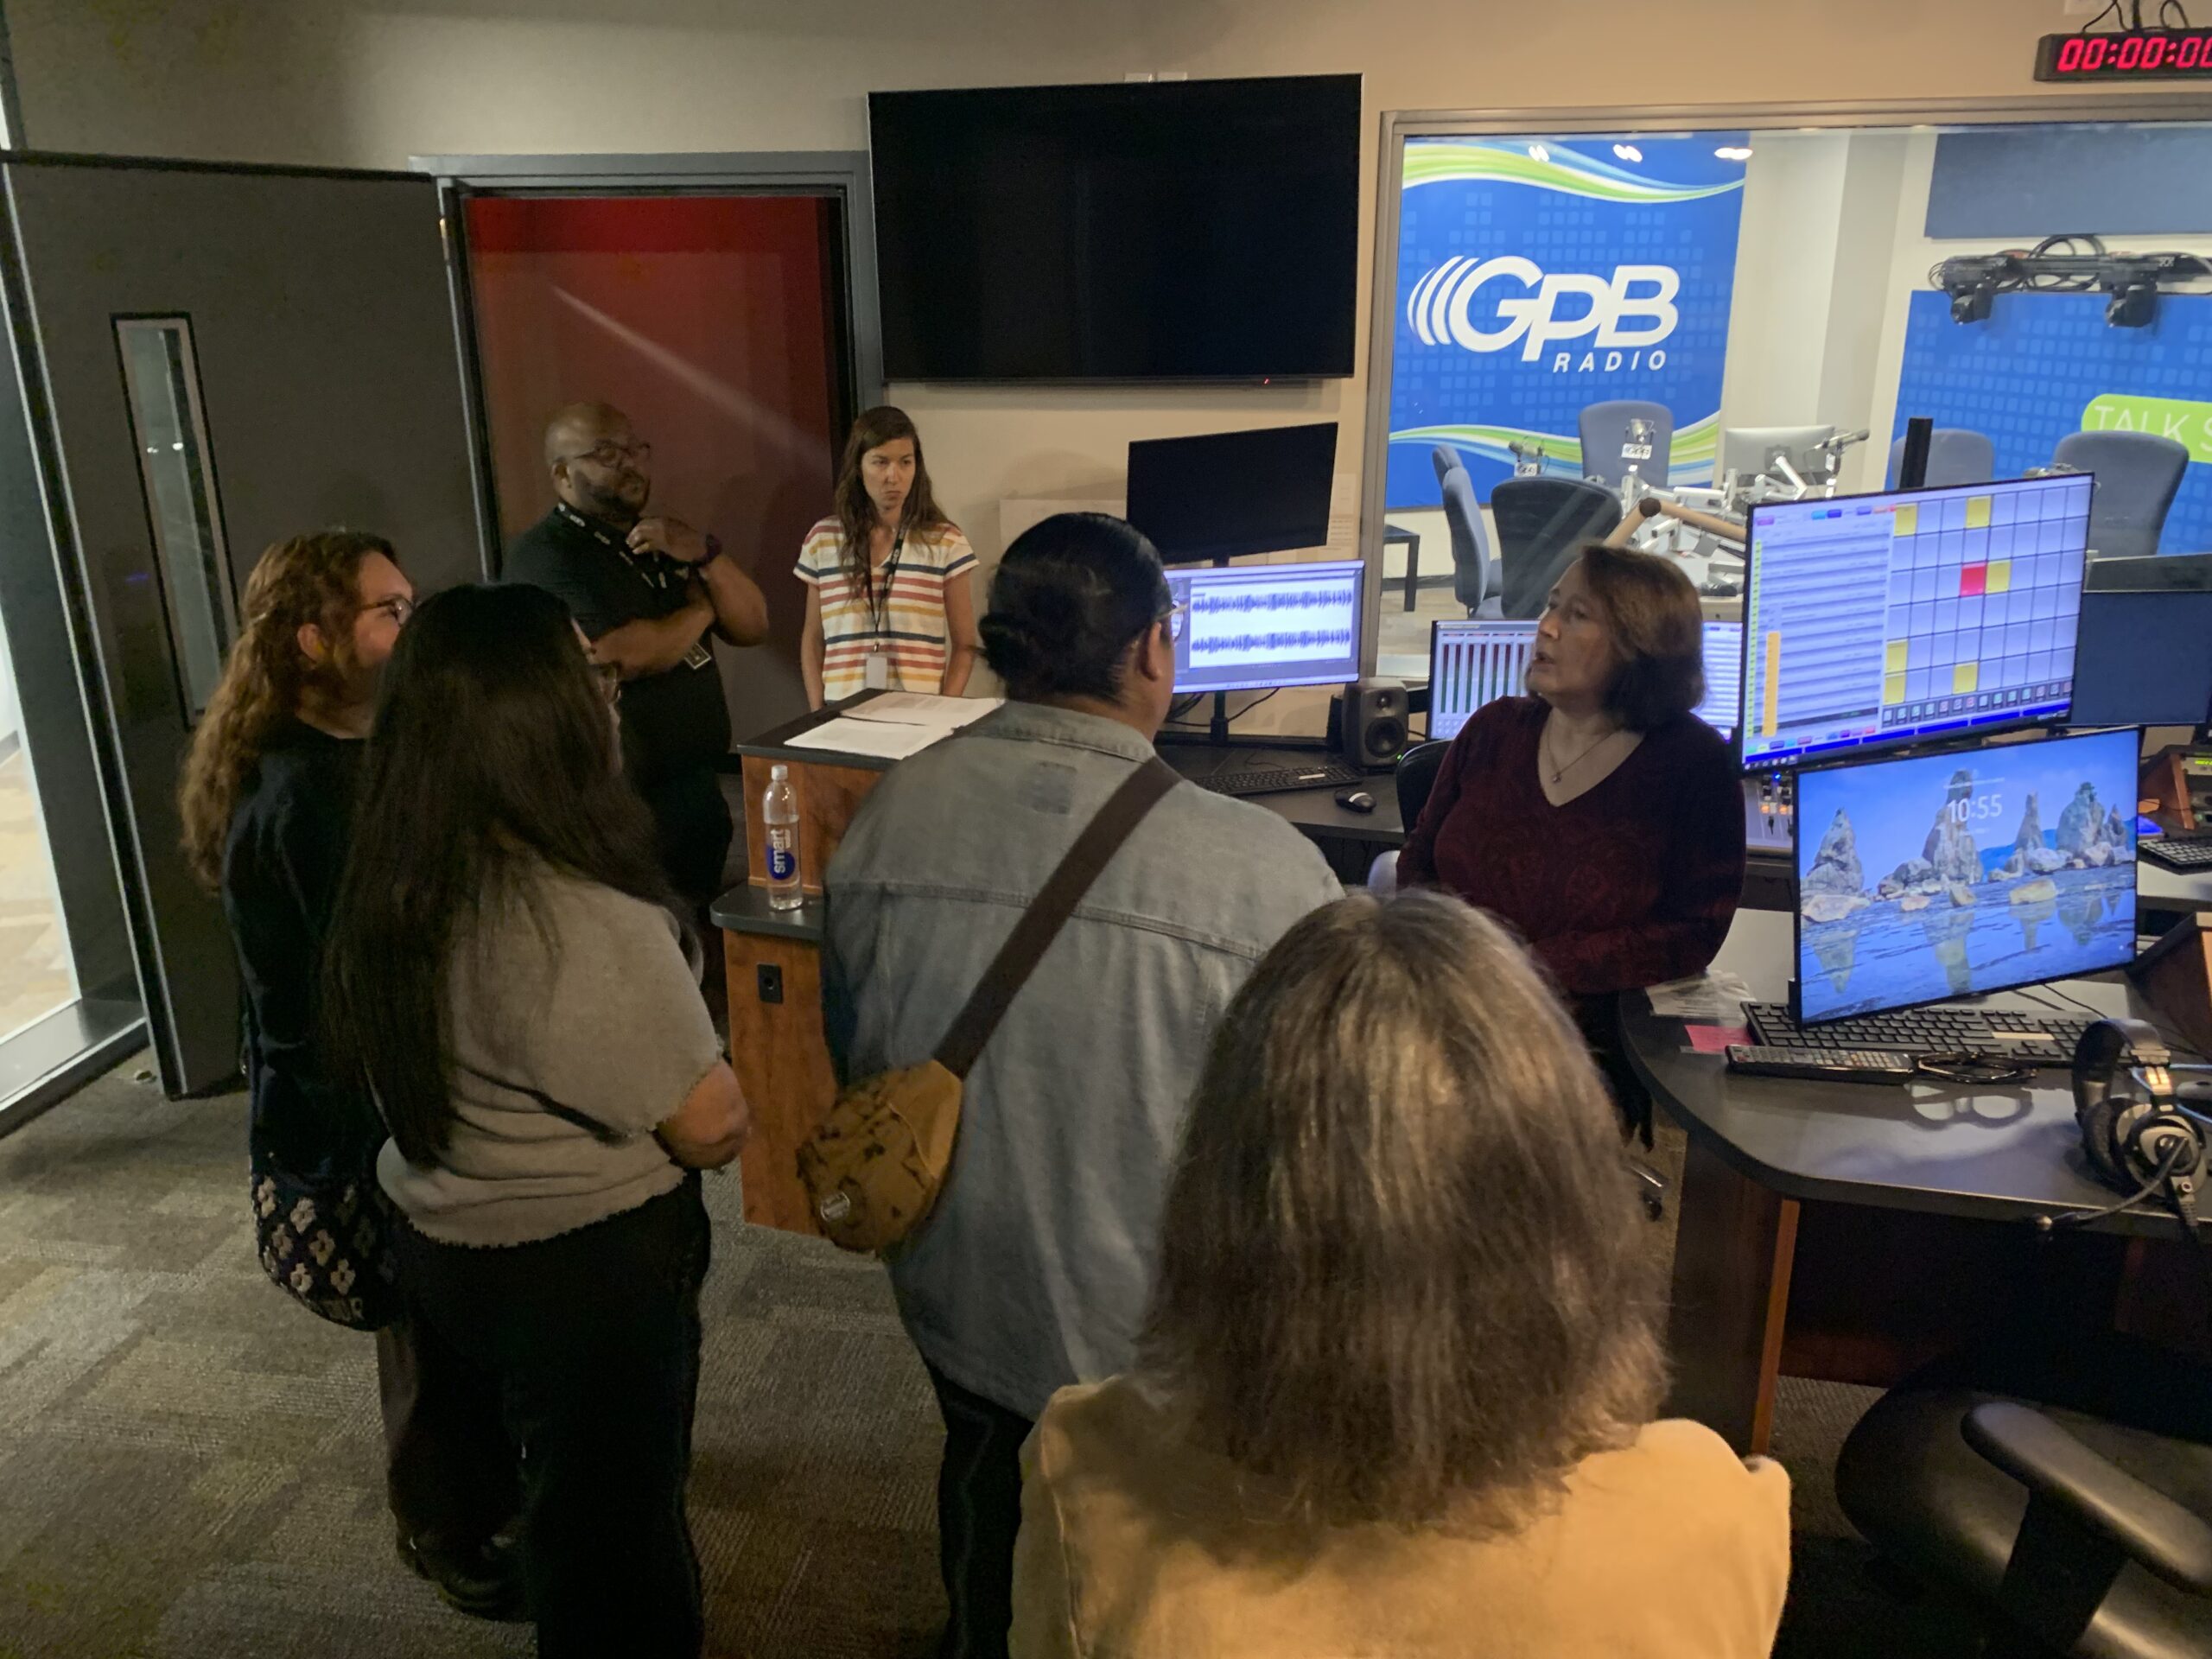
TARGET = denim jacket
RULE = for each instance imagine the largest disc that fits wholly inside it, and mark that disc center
(1033, 1270)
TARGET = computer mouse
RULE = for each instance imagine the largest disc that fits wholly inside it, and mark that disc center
(1354, 800)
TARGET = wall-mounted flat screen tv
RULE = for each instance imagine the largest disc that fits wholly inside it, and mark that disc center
(1198, 230)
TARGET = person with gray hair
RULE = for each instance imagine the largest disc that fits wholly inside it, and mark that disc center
(1397, 1382)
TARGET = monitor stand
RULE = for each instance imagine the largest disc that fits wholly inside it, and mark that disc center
(1217, 735)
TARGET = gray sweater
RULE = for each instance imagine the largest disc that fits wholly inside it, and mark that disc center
(569, 1046)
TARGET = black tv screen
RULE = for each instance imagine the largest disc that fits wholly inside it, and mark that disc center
(1200, 230)
(1227, 494)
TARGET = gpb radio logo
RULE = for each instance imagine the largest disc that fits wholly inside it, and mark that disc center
(1630, 314)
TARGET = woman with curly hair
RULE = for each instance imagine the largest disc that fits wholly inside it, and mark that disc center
(267, 799)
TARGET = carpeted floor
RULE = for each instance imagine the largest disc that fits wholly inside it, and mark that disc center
(188, 1464)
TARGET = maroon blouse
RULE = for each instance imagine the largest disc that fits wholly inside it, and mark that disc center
(1630, 883)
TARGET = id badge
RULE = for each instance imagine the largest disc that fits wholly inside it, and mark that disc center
(878, 672)
(699, 656)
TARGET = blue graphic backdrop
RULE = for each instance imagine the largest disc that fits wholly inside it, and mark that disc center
(1576, 209)
(2025, 375)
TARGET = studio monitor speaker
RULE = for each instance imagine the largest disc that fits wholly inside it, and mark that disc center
(1374, 728)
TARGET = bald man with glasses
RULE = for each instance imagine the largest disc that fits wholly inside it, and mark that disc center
(650, 592)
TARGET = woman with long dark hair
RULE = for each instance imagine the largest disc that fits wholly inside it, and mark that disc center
(267, 801)
(505, 972)
(890, 598)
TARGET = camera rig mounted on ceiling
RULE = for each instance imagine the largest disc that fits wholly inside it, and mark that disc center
(2068, 265)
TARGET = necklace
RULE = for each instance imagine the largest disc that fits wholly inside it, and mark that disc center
(1561, 772)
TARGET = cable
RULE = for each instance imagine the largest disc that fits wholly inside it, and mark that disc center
(2113, 9)
(1239, 714)
(2046, 1226)
(2178, 9)
(2164, 1036)
(2049, 282)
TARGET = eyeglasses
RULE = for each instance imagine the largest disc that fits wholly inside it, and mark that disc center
(610, 681)
(610, 453)
(398, 607)
(1177, 617)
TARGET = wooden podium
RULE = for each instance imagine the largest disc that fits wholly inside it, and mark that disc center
(774, 961)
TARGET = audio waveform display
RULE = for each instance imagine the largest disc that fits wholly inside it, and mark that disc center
(1249, 628)
(1331, 597)
(1272, 644)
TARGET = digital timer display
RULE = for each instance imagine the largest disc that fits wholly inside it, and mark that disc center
(2126, 54)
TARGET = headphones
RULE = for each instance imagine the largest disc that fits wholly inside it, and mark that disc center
(2136, 1138)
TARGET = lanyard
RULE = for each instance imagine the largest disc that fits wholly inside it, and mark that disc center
(880, 598)
(652, 567)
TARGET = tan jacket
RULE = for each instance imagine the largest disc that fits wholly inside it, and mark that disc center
(1130, 1548)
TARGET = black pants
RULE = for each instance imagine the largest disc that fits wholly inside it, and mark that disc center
(592, 1341)
(978, 1512)
(693, 830)
(450, 1472)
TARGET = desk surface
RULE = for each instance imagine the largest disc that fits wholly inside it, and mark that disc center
(2157, 887)
(1996, 1153)
(1314, 811)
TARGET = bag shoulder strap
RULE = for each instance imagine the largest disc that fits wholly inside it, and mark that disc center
(1048, 912)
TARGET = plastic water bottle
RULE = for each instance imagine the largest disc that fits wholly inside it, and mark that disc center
(779, 817)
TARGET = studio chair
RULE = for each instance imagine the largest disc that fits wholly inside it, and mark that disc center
(1542, 524)
(1954, 456)
(1604, 429)
(1445, 460)
(2073, 1513)
(2137, 473)
(1415, 778)
(1474, 574)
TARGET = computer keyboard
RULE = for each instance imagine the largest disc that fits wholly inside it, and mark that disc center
(1281, 780)
(2024, 1036)
(2184, 852)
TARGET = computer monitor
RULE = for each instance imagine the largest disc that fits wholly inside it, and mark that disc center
(1228, 494)
(2144, 659)
(1472, 663)
(1752, 450)
(1249, 627)
(1875, 621)
(1925, 877)
(2158, 573)
(1724, 674)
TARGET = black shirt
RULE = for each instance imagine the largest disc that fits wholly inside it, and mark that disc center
(672, 723)
(281, 866)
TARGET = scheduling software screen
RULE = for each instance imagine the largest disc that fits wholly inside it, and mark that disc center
(1933, 876)
(1252, 627)
(1879, 620)
(1474, 662)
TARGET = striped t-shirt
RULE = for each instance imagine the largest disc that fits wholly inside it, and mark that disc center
(913, 609)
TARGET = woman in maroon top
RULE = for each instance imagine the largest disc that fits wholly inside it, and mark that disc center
(1599, 814)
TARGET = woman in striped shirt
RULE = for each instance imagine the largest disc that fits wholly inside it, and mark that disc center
(889, 601)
